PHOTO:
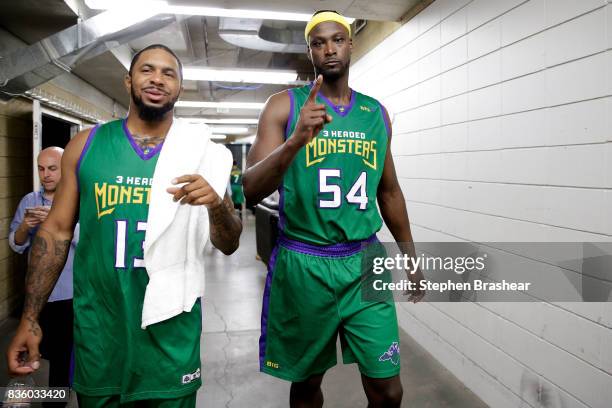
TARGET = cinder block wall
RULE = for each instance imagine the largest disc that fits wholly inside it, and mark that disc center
(502, 114)
(15, 182)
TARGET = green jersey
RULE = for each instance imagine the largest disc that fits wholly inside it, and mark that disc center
(113, 355)
(328, 194)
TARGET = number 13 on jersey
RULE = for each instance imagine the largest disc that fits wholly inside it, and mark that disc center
(121, 245)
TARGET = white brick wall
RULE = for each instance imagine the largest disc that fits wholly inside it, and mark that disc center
(502, 118)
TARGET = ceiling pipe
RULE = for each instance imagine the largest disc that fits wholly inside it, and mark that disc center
(33, 65)
(252, 34)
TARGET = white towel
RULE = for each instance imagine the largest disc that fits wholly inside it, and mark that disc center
(176, 234)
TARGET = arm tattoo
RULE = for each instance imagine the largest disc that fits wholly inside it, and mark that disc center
(146, 141)
(47, 258)
(225, 226)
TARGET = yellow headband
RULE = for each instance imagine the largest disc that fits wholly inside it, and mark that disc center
(326, 16)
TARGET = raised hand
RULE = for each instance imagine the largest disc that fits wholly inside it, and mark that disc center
(313, 117)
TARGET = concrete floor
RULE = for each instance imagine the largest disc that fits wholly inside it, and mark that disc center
(230, 362)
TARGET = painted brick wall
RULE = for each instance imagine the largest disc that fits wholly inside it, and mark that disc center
(502, 113)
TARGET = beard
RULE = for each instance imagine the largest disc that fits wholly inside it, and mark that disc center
(151, 113)
(333, 74)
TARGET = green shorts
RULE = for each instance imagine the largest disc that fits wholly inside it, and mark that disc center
(113, 401)
(312, 295)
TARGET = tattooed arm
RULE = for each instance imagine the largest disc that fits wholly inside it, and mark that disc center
(225, 225)
(47, 258)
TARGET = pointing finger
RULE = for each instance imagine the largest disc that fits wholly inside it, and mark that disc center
(312, 96)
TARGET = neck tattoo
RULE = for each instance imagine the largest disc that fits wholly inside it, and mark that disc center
(146, 142)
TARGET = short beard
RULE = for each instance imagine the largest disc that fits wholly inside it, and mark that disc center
(332, 76)
(149, 113)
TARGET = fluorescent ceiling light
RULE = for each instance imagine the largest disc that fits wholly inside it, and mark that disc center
(229, 129)
(236, 13)
(220, 105)
(116, 19)
(134, 5)
(240, 75)
(206, 11)
(224, 121)
(218, 137)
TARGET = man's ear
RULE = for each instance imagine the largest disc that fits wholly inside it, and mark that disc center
(127, 82)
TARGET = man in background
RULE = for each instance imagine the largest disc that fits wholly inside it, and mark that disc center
(56, 316)
(236, 183)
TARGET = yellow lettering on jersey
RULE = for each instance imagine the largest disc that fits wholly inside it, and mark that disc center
(137, 195)
(371, 149)
(113, 195)
(320, 147)
(108, 196)
(101, 202)
(311, 153)
(125, 195)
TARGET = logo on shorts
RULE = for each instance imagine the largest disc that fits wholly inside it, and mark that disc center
(272, 364)
(187, 378)
(393, 354)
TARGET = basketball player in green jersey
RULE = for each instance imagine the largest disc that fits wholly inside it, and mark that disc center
(106, 179)
(326, 148)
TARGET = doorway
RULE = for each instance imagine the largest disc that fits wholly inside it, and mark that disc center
(55, 131)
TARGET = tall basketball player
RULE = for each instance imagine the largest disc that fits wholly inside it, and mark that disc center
(117, 362)
(325, 147)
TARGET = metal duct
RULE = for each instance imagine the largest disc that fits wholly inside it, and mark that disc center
(36, 64)
(252, 34)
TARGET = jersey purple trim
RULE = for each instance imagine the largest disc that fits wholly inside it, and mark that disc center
(336, 108)
(291, 113)
(265, 307)
(90, 137)
(335, 250)
(137, 148)
(282, 220)
(383, 110)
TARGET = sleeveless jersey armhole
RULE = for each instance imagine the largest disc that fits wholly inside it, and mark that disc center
(90, 137)
(291, 113)
(385, 118)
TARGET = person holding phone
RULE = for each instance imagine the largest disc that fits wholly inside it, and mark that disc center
(56, 316)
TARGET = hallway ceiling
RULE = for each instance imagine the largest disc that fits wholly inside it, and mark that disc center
(198, 42)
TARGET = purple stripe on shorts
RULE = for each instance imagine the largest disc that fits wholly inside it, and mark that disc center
(334, 250)
(383, 112)
(291, 113)
(264, 308)
(137, 149)
(90, 137)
